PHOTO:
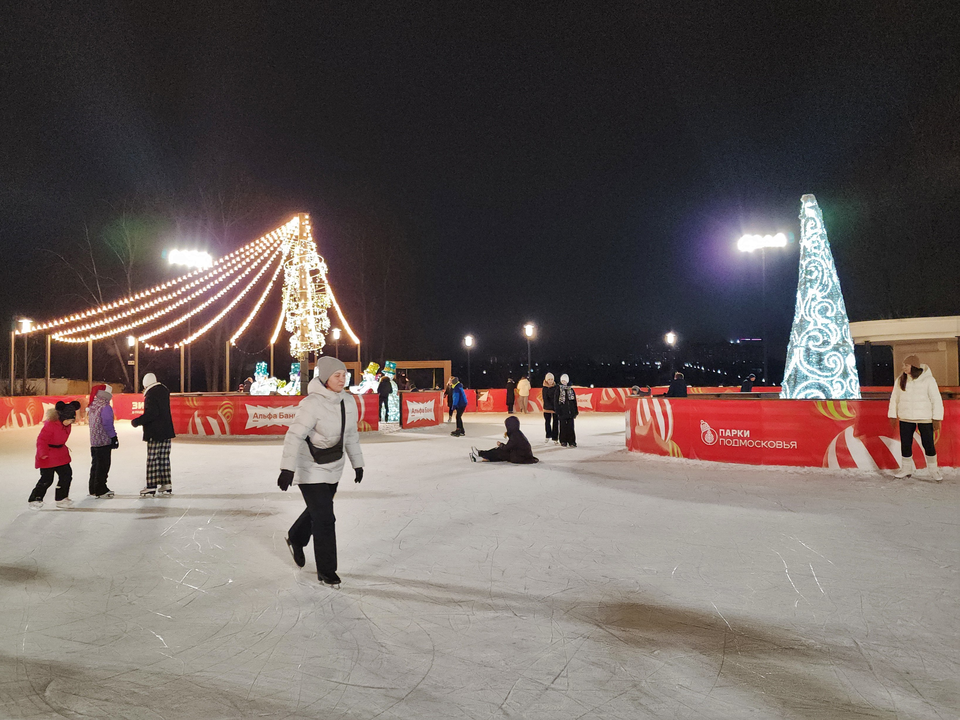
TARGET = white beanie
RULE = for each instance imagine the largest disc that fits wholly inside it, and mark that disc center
(149, 380)
(564, 379)
(327, 366)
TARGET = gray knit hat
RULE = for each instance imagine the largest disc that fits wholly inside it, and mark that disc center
(327, 366)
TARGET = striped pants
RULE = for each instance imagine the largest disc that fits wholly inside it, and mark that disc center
(158, 463)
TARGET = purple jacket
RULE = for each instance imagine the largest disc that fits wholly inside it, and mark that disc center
(100, 418)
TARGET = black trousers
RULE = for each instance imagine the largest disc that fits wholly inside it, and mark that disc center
(497, 454)
(568, 435)
(551, 425)
(926, 438)
(100, 458)
(460, 418)
(384, 408)
(64, 477)
(318, 522)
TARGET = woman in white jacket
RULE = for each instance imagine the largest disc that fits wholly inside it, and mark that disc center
(917, 405)
(327, 417)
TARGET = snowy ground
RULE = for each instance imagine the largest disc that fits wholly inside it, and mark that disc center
(597, 584)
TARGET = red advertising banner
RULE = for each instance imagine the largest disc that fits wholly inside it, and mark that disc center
(421, 409)
(805, 433)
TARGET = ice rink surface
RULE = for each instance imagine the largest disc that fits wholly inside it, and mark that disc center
(597, 584)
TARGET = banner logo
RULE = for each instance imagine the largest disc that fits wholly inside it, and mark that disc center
(258, 417)
(585, 401)
(707, 433)
(417, 411)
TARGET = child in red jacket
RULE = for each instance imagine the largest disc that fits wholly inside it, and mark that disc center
(53, 455)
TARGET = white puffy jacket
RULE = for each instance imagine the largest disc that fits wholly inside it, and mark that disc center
(920, 402)
(318, 417)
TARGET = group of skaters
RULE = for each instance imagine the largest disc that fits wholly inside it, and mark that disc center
(53, 455)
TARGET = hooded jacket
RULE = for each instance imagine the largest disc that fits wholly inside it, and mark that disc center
(156, 420)
(318, 417)
(550, 397)
(100, 420)
(920, 402)
(52, 450)
(517, 448)
(458, 397)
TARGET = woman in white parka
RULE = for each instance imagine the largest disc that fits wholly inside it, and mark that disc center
(917, 405)
(327, 418)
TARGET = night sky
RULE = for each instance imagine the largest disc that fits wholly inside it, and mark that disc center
(589, 170)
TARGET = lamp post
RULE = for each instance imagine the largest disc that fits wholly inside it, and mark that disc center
(25, 325)
(529, 330)
(194, 260)
(468, 343)
(336, 341)
(749, 243)
(671, 340)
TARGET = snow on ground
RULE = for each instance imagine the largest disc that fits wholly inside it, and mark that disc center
(597, 584)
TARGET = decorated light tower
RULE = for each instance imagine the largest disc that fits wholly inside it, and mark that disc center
(305, 295)
(820, 360)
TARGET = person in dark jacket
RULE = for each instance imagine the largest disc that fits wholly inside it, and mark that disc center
(384, 389)
(567, 412)
(516, 450)
(511, 394)
(458, 400)
(157, 424)
(448, 394)
(551, 393)
(53, 455)
(747, 385)
(678, 386)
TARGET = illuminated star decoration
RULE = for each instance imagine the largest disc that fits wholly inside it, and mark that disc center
(820, 360)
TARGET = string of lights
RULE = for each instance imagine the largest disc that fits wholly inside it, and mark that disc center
(263, 297)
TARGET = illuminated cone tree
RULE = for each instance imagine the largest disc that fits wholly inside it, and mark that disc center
(820, 360)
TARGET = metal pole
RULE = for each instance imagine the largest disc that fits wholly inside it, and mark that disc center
(469, 384)
(89, 365)
(25, 363)
(358, 358)
(763, 307)
(136, 364)
(271, 361)
(182, 358)
(13, 358)
(46, 377)
(226, 368)
(529, 366)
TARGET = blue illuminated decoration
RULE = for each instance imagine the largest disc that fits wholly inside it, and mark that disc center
(820, 360)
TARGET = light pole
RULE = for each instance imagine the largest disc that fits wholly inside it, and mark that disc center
(529, 330)
(25, 325)
(749, 243)
(468, 343)
(671, 340)
(194, 260)
(336, 341)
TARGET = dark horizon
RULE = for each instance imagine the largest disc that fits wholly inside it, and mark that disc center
(589, 172)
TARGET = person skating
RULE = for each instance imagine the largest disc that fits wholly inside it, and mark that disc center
(458, 401)
(523, 394)
(53, 455)
(384, 389)
(516, 450)
(448, 395)
(157, 424)
(324, 428)
(567, 412)
(551, 424)
(511, 394)
(103, 440)
(677, 387)
(747, 385)
(916, 405)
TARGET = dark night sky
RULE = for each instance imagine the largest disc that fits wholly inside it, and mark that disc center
(588, 170)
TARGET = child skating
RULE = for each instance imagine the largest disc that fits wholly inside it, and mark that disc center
(53, 455)
(516, 450)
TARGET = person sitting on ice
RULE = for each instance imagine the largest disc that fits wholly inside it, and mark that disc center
(516, 450)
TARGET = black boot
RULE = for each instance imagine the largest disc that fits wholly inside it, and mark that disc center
(297, 552)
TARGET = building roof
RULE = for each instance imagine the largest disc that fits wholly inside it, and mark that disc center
(926, 328)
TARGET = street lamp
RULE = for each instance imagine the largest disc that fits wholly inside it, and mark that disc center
(468, 343)
(749, 243)
(336, 341)
(25, 327)
(529, 331)
(194, 260)
(671, 340)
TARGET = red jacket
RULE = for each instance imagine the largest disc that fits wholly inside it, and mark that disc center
(54, 432)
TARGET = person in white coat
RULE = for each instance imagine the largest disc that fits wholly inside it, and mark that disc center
(327, 418)
(918, 407)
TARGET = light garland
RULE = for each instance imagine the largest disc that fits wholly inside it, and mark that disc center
(305, 296)
(263, 297)
(820, 359)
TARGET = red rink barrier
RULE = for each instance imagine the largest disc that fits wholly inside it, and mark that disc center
(805, 433)
(422, 409)
(588, 399)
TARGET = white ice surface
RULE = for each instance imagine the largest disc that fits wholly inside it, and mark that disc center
(597, 584)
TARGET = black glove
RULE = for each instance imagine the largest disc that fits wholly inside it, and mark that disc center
(285, 479)
(359, 476)
(135, 422)
(114, 442)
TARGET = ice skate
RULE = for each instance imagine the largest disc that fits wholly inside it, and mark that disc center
(474, 454)
(298, 557)
(165, 489)
(107, 494)
(907, 468)
(458, 433)
(65, 504)
(35, 504)
(931, 472)
(148, 492)
(333, 580)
